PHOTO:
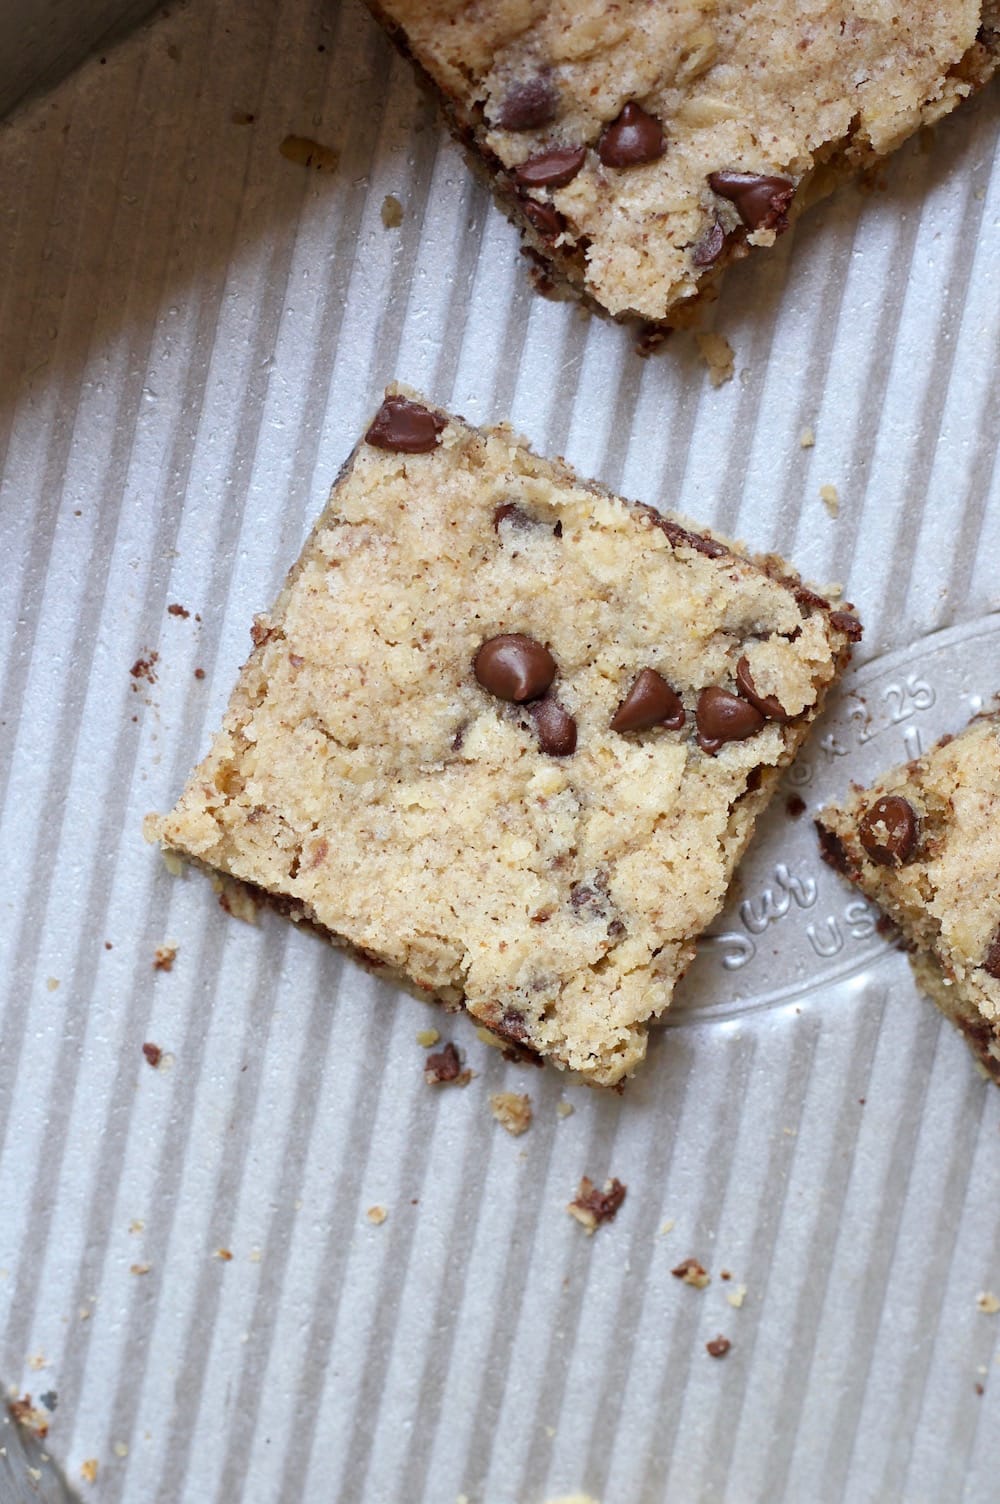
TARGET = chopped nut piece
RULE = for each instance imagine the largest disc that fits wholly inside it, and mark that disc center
(718, 1347)
(445, 1068)
(512, 1111)
(592, 1207)
(376, 1215)
(163, 957)
(427, 1038)
(988, 1302)
(692, 1273)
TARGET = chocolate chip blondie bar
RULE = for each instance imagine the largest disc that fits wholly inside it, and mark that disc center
(508, 734)
(642, 145)
(920, 843)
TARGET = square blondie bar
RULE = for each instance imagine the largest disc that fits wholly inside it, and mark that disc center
(641, 145)
(507, 734)
(920, 843)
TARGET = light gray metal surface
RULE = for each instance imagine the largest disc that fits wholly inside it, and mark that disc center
(192, 330)
(42, 40)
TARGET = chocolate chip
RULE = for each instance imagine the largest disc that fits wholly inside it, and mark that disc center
(842, 621)
(509, 511)
(723, 717)
(599, 1206)
(555, 728)
(832, 850)
(405, 427)
(769, 706)
(992, 961)
(761, 202)
(707, 250)
(528, 105)
(889, 831)
(650, 702)
(635, 137)
(718, 1347)
(551, 169)
(544, 218)
(514, 667)
(680, 537)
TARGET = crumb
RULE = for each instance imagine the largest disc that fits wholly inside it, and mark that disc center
(736, 1297)
(795, 805)
(177, 610)
(83, 1313)
(242, 117)
(512, 1111)
(724, 1274)
(88, 1470)
(235, 898)
(52, 983)
(108, 945)
(376, 1215)
(144, 668)
(830, 499)
(445, 1068)
(136, 1225)
(199, 673)
(565, 1109)
(164, 956)
(807, 439)
(987, 1302)
(223, 1255)
(254, 1255)
(392, 212)
(649, 338)
(139, 1268)
(979, 1388)
(668, 1226)
(153, 1054)
(121, 1450)
(24, 1413)
(37, 1362)
(692, 1273)
(308, 153)
(591, 1207)
(427, 1038)
(718, 356)
(718, 1347)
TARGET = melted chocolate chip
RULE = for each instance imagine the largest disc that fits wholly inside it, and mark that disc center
(832, 850)
(889, 831)
(554, 727)
(724, 717)
(514, 667)
(842, 621)
(680, 537)
(707, 250)
(761, 202)
(650, 702)
(405, 427)
(992, 960)
(769, 706)
(544, 218)
(635, 137)
(795, 806)
(551, 169)
(510, 512)
(528, 105)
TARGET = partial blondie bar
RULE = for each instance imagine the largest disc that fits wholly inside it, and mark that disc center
(642, 145)
(508, 734)
(921, 844)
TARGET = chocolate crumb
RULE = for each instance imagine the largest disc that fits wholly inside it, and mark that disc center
(199, 673)
(144, 668)
(795, 805)
(164, 957)
(979, 1388)
(23, 1412)
(153, 1054)
(444, 1068)
(591, 1207)
(177, 610)
(832, 850)
(692, 1273)
(718, 1347)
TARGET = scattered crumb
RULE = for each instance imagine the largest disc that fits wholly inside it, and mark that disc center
(37, 1362)
(136, 1225)
(718, 1347)
(668, 1226)
(565, 1109)
(979, 1388)
(121, 1450)
(426, 1038)
(692, 1273)
(512, 1111)
(724, 1274)
(88, 1470)
(25, 1414)
(52, 983)
(255, 1255)
(591, 1207)
(807, 439)
(987, 1301)
(223, 1255)
(108, 945)
(153, 1054)
(736, 1297)
(718, 356)
(445, 1068)
(139, 1268)
(308, 153)
(392, 212)
(649, 338)
(830, 499)
(199, 673)
(795, 805)
(164, 957)
(178, 610)
(376, 1215)
(83, 1313)
(144, 668)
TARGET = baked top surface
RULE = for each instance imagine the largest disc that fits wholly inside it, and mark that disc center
(936, 869)
(645, 100)
(366, 773)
